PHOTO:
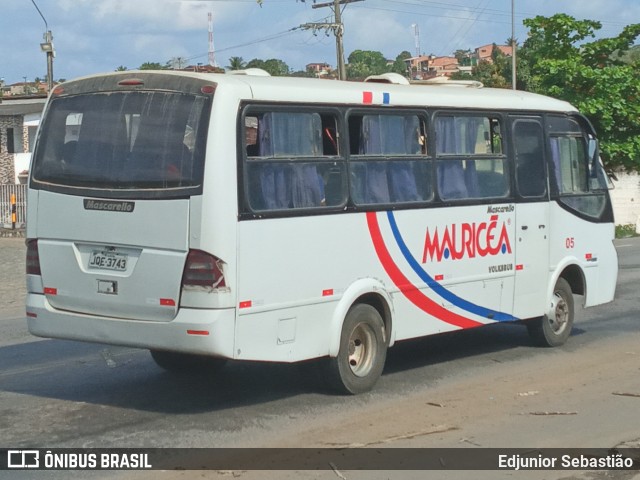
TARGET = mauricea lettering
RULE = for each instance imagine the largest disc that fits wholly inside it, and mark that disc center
(467, 240)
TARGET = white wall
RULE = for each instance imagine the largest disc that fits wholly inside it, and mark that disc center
(626, 199)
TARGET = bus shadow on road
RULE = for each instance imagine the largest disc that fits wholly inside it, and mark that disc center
(128, 378)
(486, 345)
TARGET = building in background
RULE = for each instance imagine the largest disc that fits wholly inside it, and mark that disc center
(19, 120)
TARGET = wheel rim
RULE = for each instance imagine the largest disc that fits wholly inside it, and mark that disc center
(362, 347)
(560, 318)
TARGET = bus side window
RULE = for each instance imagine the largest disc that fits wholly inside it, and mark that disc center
(529, 158)
(471, 162)
(286, 165)
(578, 184)
(388, 174)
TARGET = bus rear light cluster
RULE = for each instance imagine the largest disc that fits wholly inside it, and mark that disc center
(33, 258)
(203, 270)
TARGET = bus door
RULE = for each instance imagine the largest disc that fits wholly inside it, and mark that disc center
(532, 217)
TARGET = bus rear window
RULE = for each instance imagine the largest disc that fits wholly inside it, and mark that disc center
(123, 141)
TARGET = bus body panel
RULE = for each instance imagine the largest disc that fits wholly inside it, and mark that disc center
(396, 254)
(125, 264)
(589, 246)
(532, 259)
(178, 335)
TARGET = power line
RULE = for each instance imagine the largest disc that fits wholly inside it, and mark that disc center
(249, 43)
(337, 27)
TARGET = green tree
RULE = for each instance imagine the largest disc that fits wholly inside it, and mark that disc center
(400, 65)
(152, 66)
(495, 74)
(591, 75)
(463, 57)
(631, 56)
(273, 66)
(308, 73)
(363, 63)
(236, 63)
(121, 68)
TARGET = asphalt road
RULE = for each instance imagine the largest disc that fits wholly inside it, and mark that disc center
(57, 394)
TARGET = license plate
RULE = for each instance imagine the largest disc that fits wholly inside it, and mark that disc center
(108, 260)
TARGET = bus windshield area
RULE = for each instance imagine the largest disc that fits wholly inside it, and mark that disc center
(125, 140)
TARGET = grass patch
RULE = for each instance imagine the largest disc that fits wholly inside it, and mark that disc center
(625, 231)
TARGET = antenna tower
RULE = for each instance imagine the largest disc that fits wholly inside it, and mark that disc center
(212, 54)
(416, 34)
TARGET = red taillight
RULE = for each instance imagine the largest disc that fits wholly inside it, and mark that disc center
(203, 270)
(33, 259)
(131, 82)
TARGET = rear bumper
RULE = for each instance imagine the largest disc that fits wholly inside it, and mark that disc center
(45, 321)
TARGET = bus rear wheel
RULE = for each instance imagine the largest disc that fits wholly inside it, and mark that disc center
(363, 351)
(553, 329)
(179, 362)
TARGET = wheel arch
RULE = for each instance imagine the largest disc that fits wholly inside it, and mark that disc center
(369, 291)
(574, 276)
(572, 272)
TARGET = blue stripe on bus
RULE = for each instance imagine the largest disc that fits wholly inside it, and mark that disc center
(438, 288)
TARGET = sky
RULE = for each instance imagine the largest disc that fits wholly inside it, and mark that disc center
(93, 36)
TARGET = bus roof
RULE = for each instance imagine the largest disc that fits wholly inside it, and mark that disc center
(318, 91)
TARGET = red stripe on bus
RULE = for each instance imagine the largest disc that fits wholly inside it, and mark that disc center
(413, 294)
(198, 332)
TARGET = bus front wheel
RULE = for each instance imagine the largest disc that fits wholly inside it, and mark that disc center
(363, 350)
(553, 329)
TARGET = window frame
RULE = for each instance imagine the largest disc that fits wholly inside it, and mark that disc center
(424, 118)
(505, 156)
(249, 109)
(567, 200)
(539, 120)
(133, 193)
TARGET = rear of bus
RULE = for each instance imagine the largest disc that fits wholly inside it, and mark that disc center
(116, 175)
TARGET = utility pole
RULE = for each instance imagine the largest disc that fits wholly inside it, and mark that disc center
(47, 47)
(337, 28)
(513, 46)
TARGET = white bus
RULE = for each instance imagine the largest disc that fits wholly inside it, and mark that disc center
(211, 217)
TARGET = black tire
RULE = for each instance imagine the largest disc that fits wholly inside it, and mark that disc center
(363, 351)
(553, 332)
(187, 363)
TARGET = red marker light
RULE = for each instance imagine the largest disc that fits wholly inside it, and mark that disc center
(198, 332)
(208, 89)
(167, 302)
(245, 304)
(50, 291)
(130, 82)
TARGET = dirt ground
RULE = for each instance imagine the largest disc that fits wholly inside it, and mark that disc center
(549, 404)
